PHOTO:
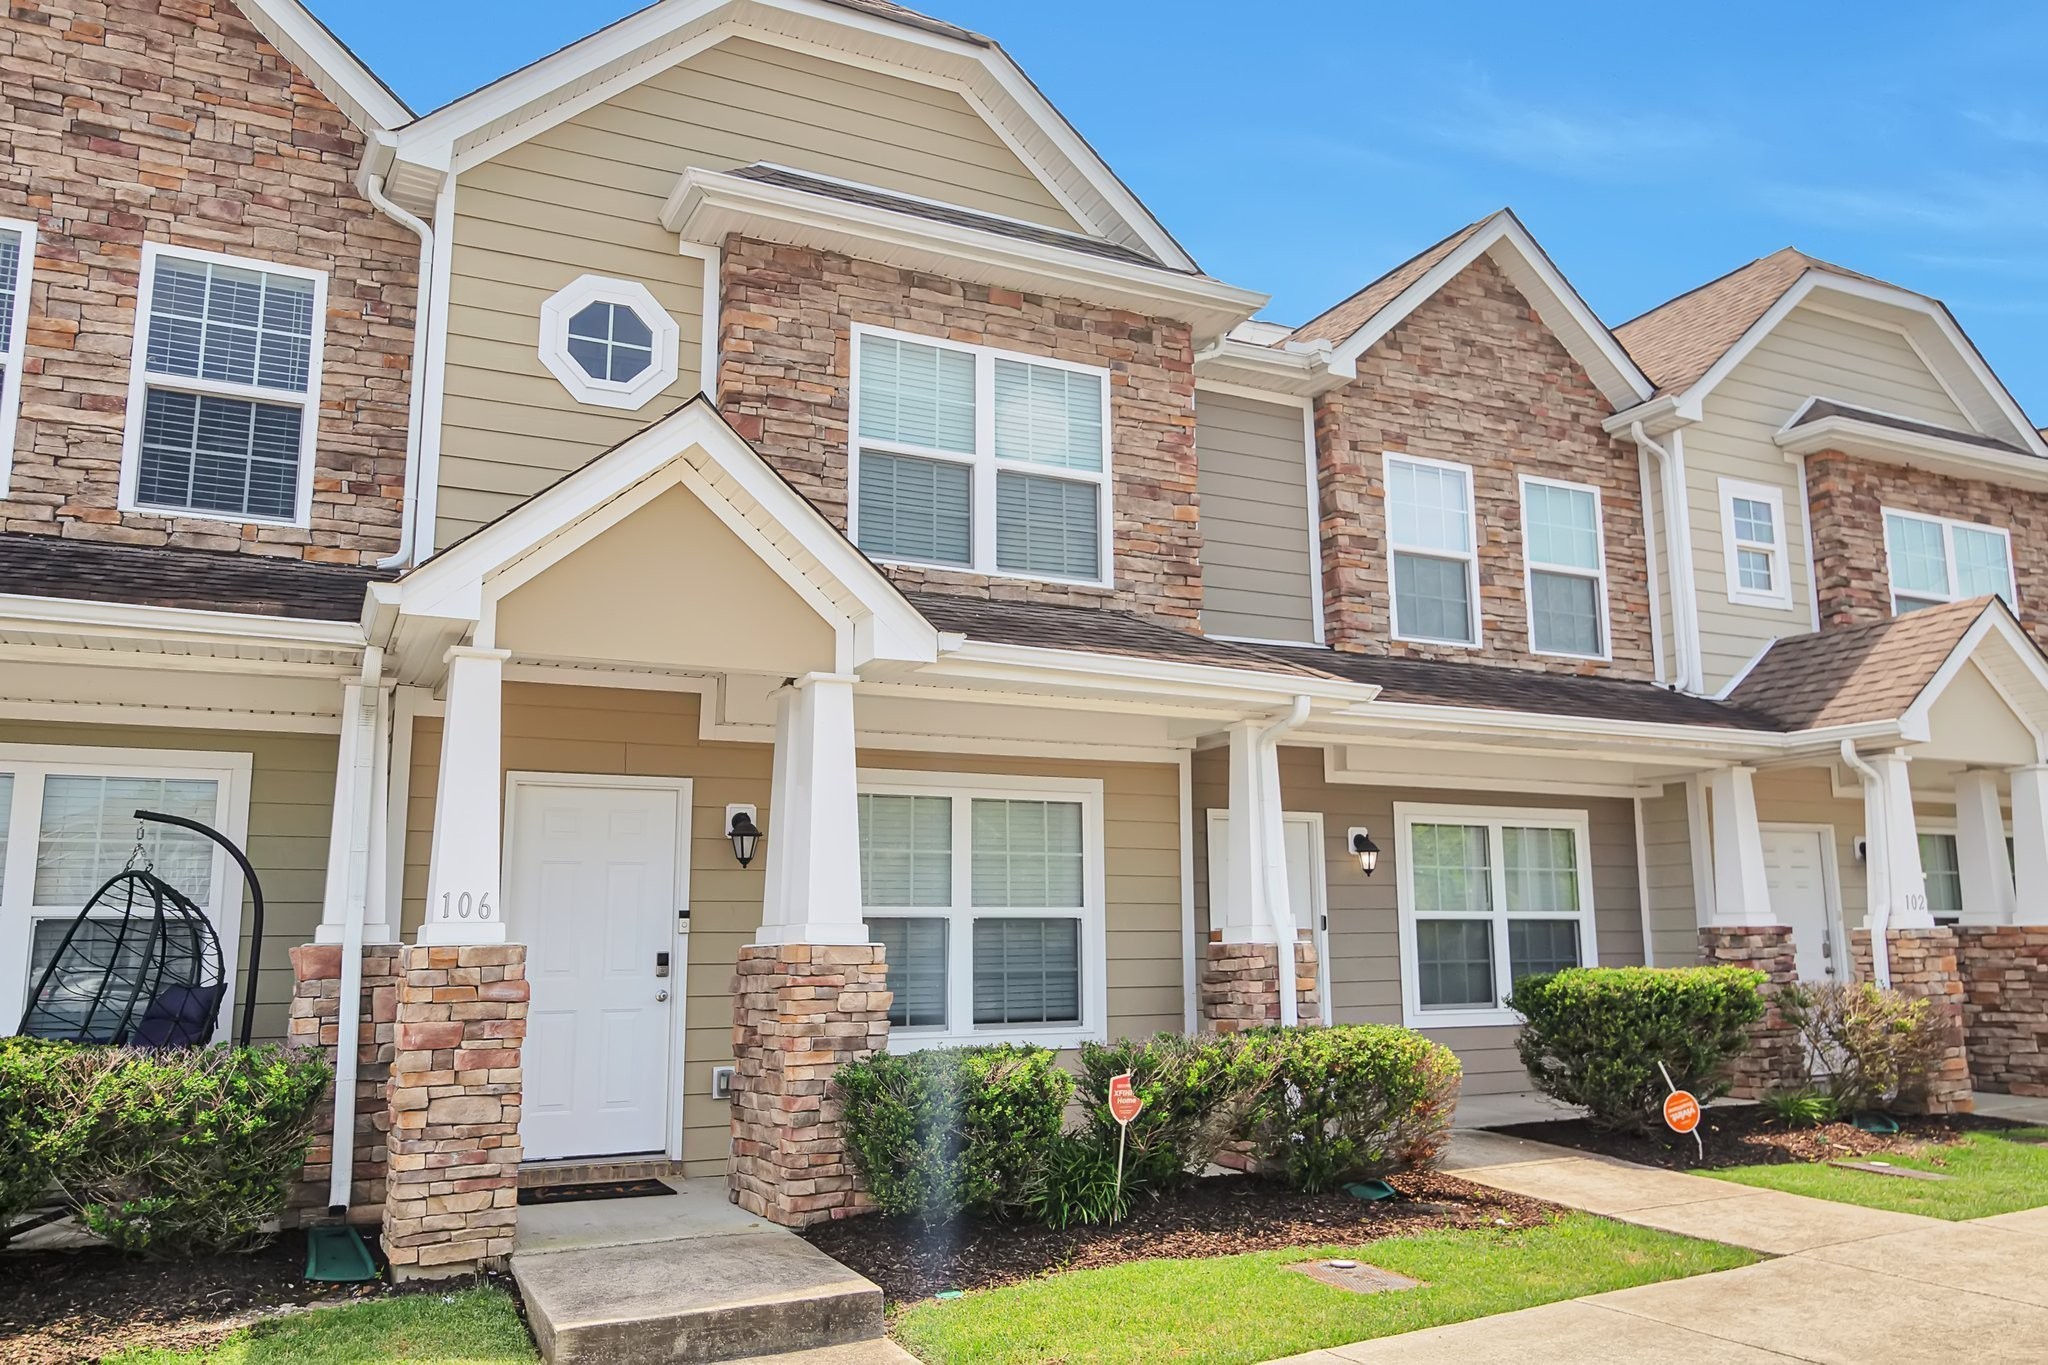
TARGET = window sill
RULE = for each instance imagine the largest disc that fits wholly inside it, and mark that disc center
(1462, 1018)
(1768, 601)
(1058, 1039)
(128, 508)
(1104, 585)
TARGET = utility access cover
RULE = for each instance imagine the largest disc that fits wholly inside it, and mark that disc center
(1355, 1276)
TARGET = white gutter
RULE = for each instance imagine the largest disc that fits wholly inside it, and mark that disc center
(1689, 669)
(1273, 855)
(1876, 866)
(373, 188)
(371, 713)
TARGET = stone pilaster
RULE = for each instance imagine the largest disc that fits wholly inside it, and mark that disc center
(2005, 1005)
(1240, 985)
(800, 1011)
(316, 1022)
(1923, 964)
(1774, 1059)
(451, 1201)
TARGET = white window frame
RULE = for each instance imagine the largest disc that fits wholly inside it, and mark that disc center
(141, 381)
(1948, 527)
(964, 789)
(571, 299)
(30, 765)
(1409, 814)
(983, 463)
(1780, 596)
(1598, 575)
(1388, 459)
(13, 347)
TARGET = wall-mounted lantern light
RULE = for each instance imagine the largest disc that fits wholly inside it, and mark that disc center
(744, 833)
(1368, 852)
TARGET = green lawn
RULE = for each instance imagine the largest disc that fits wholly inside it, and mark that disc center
(1995, 1172)
(1235, 1310)
(468, 1327)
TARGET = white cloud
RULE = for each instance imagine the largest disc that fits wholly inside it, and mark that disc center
(1581, 141)
(2012, 125)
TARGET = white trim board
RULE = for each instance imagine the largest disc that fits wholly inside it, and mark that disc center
(14, 345)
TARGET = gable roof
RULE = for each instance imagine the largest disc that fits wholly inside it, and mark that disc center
(1852, 674)
(327, 62)
(1356, 324)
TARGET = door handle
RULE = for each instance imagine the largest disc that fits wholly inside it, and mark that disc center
(660, 996)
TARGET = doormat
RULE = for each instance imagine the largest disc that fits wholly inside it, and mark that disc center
(592, 1189)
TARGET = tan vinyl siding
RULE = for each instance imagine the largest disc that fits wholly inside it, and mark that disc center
(291, 805)
(1667, 855)
(593, 730)
(585, 197)
(1257, 578)
(1365, 963)
(1809, 354)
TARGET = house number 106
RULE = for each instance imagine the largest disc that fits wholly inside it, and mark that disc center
(468, 905)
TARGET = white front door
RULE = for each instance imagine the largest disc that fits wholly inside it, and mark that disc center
(1796, 870)
(1306, 883)
(595, 890)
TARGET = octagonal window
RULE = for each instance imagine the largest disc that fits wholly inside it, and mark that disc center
(609, 342)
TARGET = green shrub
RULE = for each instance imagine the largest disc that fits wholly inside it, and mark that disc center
(1077, 1183)
(1352, 1102)
(1197, 1093)
(1593, 1036)
(1866, 1047)
(33, 1132)
(1803, 1108)
(938, 1132)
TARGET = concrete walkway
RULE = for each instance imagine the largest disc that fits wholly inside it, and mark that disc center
(1847, 1284)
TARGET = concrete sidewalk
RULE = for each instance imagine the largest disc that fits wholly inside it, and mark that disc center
(1849, 1284)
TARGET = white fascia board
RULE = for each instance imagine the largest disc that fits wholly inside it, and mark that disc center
(335, 71)
(44, 614)
(1537, 725)
(1301, 372)
(707, 206)
(1553, 297)
(451, 586)
(1996, 620)
(1034, 665)
(1658, 416)
(1890, 445)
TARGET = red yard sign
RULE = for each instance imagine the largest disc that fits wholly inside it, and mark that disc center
(1124, 1102)
(1681, 1111)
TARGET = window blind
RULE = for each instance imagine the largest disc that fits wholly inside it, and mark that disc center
(214, 454)
(906, 851)
(1027, 971)
(88, 830)
(1047, 526)
(231, 324)
(914, 958)
(1048, 416)
(916, 509)
(10, 286)
(1027, 855)
(916, 395)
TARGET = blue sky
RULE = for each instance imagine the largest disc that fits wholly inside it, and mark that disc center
(1303, 153)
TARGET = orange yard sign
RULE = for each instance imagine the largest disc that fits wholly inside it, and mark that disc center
(1124, 1102)
(1681, 1111)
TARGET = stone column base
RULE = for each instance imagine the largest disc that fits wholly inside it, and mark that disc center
(2005, 1005)
(316, 1022)
(1923, 964)
(451, 1199)
(799, 1011)
(1774, 1060)
(1241, 985)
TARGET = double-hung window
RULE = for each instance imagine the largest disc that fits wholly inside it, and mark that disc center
(67, 823)
(1753, 530)
(986, 895)
(1567, 568)
(1943, 867)
(1431, 549)
(224, 389)
(1488, 896)
(17, 262)
(1935, 560)
(972, 458)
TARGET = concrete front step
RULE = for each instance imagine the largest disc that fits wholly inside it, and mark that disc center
(695, 1299)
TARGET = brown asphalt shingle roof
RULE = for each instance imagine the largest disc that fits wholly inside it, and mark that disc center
(1822, 408)
(1092, 630)
(1676, 343)
(1344, 320)
(1852, 674)
(194, 580)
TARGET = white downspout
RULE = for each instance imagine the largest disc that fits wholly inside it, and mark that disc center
(1876, 866)
(372, 712)
(1273, 854)
(373, 188)
(1688, 667)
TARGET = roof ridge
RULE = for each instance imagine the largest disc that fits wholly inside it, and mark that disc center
(1449, 241)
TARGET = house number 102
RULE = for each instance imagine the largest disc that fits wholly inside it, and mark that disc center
(468, 905)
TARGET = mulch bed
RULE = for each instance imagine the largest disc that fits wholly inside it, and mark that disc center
(1747, 1135)
(1217, 1216)
(67, 1307)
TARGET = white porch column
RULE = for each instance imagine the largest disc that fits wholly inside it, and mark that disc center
(1980, 850)
(465, 901)
(812, 843)
(2030, 843)
(1243, 910)
(349, 825)
(1892, 836)
(1742, 892)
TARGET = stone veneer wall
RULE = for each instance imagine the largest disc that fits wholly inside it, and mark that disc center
(2005, 1005)
(316, 1022)
(785, 381)
(1240, 985)
(1774, 1059)
(121, 129)
(1924, 963)
(799, 1012)
(1474, 377)
(1846, 498)
(451, 1199)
